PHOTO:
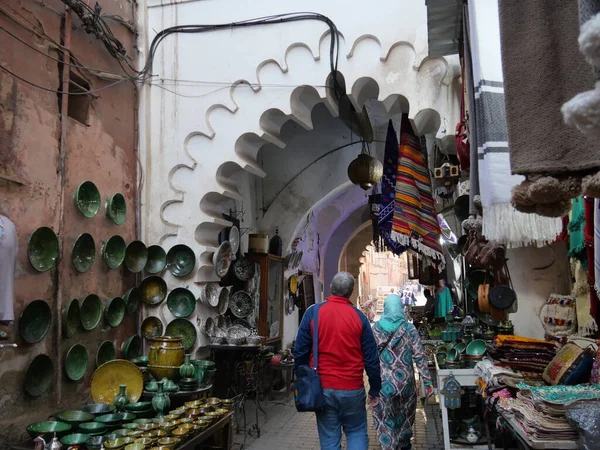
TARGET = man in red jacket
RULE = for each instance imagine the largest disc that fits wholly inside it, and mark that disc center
(346, 348)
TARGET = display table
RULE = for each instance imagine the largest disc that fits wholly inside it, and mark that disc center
(529, 443)
(180, 397)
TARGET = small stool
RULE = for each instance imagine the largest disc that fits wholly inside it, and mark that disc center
(287, 373)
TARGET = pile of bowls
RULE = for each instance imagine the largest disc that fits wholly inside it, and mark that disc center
(475, 352)
(188, 384)
(140, 409)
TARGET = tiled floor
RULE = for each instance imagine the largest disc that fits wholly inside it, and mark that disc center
(285, 428)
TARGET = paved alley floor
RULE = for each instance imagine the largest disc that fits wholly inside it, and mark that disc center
(285, 428)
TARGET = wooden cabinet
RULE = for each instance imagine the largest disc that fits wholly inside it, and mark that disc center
(270, 307)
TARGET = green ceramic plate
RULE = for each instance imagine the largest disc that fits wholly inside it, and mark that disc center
(39, 375)
(91, 312)
(71, 318)
(132, 347)
(152, 327)
(87, 199)
(42, 249)
(157, 259)
(154, 290)
(114, 311)
(116, 208)
(73, 418)
(138, 406)
(98, 409)
(181, 302)
(74, 439)
(136, 256)
(185, 329)
(181, 260)
(110, 419)
(84, 253)
(76, 362)
(106, 352)
(132, 300)
(113, 251)
(35, 321)
(47, 429)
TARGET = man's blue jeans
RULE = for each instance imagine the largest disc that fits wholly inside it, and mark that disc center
(345, 410)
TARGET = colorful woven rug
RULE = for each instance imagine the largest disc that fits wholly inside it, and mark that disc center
(388, 191)
(415, 224)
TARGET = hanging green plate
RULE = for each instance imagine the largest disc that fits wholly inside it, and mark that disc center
(116, 208)
(136, 256)
(185, 329)
(132, 347)
(181, 302)
(106, 352)
(35, 321)
(181, 260)
(132, 299)
(113, 251)
(71, 318)
(84, 253)
(152, 327)
(76, 362)
(154, 290)
(39, 375)
(91, 312)
(87, 199)
(42, 249)
(114, 311)
(157, 259)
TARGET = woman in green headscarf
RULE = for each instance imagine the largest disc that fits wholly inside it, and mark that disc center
(399, 345)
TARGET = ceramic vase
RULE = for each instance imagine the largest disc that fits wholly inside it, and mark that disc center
(121, 398)
(165, 357)
(160, 401)
(187, 368)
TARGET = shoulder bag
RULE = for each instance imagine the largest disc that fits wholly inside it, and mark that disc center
(382, 347)
(308, 392)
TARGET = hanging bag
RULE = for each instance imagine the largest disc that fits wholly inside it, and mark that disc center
(308, 392)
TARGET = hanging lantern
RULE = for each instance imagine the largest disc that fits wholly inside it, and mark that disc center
(365, 170)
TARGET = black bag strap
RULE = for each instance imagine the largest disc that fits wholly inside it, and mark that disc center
(316, 336)
(388, 341)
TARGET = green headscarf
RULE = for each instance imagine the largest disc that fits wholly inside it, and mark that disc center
(393, 313)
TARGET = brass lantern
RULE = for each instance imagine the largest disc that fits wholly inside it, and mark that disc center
(365, 170)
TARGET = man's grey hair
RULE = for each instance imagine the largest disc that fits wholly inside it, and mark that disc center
(342, 284)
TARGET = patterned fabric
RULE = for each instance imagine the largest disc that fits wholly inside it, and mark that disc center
(388, 191)
(394, 415)
(415, 223)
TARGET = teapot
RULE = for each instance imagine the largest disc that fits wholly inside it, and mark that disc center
(472, 436)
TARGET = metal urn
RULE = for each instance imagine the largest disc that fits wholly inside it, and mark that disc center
(365, 171)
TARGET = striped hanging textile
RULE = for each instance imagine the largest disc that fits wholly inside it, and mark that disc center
(415, 224)
(388, 191)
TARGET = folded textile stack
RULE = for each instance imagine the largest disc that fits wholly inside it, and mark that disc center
(529, 356)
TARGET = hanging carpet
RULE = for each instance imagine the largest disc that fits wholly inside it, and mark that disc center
(415, 223)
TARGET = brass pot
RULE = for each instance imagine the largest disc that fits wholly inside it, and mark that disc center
(166, 356)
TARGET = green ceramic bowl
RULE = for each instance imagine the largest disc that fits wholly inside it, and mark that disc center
(476, 347)
(113, 251)
(91, 312)
(84, 253)
(152, 327)
(114, 311)
(141, 361)
(71, 318)
(452, 356)
(47, 429)
(94, 442)
(154, 290)
(157, 259)
(185, 329)
(39, 375)
(134, 446)
(136, 256)
(76, 362)
(132, 347)
(181, 260)
(116, 208)
(128, 416)
(110, 419)
(74, 439)
(42, 249)
(99, 409)
(138, 406)
(181, 302)
(93, 428)
(460, 347)
(130, 426)
(132, 300)
(73, 418)
(35, 321)
(87, 199)
(114, 444)
(106, 352)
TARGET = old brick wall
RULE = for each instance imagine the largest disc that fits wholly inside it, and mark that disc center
(103, 151)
